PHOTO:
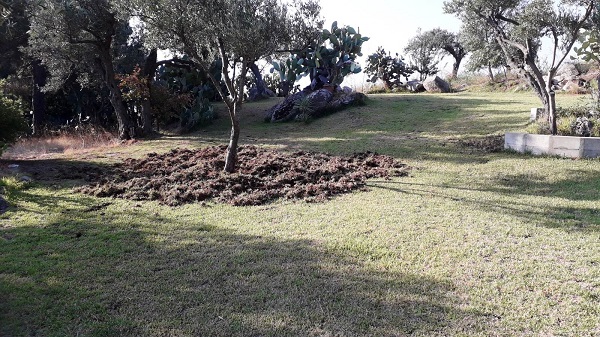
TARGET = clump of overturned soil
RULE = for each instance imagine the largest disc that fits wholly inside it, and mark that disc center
(185, 176)
(488, 144)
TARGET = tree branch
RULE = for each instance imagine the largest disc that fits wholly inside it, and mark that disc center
(505, 19)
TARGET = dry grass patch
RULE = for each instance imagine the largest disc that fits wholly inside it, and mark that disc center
(79, 141)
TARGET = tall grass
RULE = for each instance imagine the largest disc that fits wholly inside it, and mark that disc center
(81, 139)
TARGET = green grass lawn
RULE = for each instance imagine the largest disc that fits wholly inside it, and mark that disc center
(471, 244)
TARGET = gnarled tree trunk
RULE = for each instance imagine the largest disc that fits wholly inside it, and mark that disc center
(148, 72)
(260, 90)
(126, 127)
(38, 101)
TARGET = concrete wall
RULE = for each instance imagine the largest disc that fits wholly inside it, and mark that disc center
(565, 146)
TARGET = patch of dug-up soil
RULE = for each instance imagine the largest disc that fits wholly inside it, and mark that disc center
(185, 176)
(488, 144)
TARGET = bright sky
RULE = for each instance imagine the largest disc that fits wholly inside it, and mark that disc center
(390, 23)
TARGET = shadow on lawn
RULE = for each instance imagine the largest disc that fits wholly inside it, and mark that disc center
(89, 276)
(579, 185)
(565, 218)
(412, 127)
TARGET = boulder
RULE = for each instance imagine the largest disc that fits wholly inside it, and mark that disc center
(256, 95)
(436, 84)
(313, 104)
(340, 102)
(318, 100)
(415, 86)
(283, 111)
(570, 71)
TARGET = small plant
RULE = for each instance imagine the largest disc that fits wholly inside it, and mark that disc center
(305, 109)
(10, 185)
(564, 126)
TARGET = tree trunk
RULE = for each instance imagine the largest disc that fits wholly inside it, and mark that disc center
(387, 84)
(455, 67)
(284, 88)
(38, 102)
(490, 72)
(126, 127)
(148, 73)
(232, 148)
(551, 109)
(262, 92)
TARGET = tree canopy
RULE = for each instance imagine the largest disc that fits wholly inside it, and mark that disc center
(78, 37)
(423, 55)
(236, 31)
(520, 25)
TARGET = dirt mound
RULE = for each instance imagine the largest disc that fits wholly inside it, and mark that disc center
(184, 176)
(488, 144)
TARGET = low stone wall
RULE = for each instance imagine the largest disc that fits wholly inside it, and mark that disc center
(565, 146)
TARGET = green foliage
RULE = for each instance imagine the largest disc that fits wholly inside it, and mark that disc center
(274, 83)
(590, 39)
(582, 120)
(12, 121)
(423, 54)
(186, 96)
(14, 25)
(305, 108)
(330, 58)
(382, 66)
(11, 185)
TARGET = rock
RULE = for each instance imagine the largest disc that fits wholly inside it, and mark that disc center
(14, 168)
(415, 86)
(26, 179)
(284, 111)
(583, 127)
(571, 70)
(536, 113)
(436, 84)
(318, 101)
(340, 102)
(255, 95)
(313, 104)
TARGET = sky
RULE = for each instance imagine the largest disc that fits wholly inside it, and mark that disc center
(390, 23)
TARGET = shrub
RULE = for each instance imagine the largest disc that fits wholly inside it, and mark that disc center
(564, 125)
(11, 120)
(581, 120)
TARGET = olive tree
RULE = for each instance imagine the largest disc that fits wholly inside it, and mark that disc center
(485, 52)
(236, 31)
(423, 55)
(76, 36)
(520, 25)
(447, 43)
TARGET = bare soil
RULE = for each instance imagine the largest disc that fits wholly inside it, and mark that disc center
(186, 176)
(487, 144)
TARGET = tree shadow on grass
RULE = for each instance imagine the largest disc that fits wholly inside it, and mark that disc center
(92, 277)
(415, 127)
(579, 185)
(585, 219)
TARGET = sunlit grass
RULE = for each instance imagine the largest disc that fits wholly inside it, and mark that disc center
(471, 244)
